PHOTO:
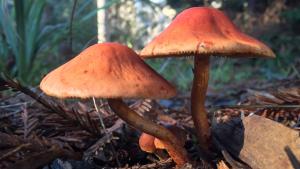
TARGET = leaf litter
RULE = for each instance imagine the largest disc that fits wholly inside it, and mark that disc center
(68, 133)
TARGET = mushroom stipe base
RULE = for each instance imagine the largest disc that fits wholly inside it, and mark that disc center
(175, 150)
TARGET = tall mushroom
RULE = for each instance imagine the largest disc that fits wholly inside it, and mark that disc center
(114, 71)
(203, 32)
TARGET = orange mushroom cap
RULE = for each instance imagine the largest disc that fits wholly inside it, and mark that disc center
(159, 144)
(204, 31)
(146, 143)
(106, 70)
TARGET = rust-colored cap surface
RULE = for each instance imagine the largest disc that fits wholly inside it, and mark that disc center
(204, 31)
(159, 144)
(146, 143)
(107, 70)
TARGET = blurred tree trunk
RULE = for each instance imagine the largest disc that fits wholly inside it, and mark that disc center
(101, 22)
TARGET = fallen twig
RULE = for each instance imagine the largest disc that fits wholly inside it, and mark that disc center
(160, 164)
(72, 116)
(44, 158)
(253, 106)
(8, 141)
(104, 140)
(234, 163)
(15, 150)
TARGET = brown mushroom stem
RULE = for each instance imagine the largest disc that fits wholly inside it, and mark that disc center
(177, 152)
(199, 114)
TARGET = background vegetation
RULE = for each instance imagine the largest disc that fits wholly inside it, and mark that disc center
(38, 35)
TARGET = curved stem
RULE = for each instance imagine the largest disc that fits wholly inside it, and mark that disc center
(199, 114)
(177, 152)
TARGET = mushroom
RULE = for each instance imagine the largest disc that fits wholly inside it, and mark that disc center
(151, 144)
(203, 32)
(114, 71)
(146, 143)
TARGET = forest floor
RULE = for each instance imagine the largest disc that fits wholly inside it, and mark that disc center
(37, 131)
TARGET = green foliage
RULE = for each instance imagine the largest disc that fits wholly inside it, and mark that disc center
(292, 16)
(177, 70)
(22, 37)
(31, 41)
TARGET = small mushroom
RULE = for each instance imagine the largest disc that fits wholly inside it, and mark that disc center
(114, 71)
(146, 143)
(151, 144)
(202, 32)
